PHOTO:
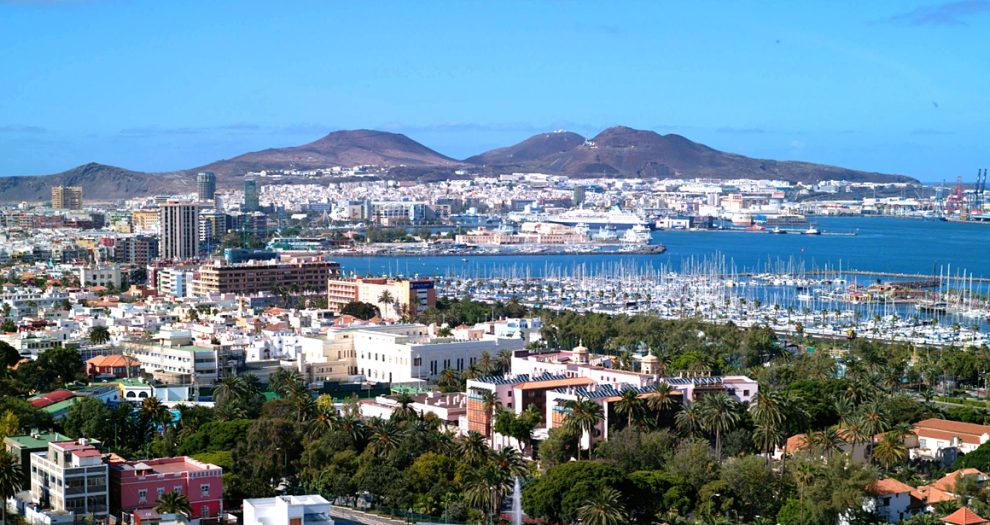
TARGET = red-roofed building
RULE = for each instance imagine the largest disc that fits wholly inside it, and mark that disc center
(137, 485)
(939, 437)
(964, 516)
(118, 366)
(56, 396)
(892, 500)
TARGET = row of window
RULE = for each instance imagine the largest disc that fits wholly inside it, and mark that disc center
(204, 491)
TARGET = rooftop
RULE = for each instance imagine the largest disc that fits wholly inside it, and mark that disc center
(39, 440)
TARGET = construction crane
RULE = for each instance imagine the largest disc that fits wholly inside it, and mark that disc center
(979, 189)
(956, 201)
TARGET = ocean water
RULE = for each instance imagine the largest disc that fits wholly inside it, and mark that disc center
(880, 244)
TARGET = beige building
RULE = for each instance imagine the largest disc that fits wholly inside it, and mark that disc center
(408, 297)
(179, 223)
(146, 221)
(294, 275)
(67, 197)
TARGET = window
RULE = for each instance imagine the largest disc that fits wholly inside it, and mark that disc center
(204, 489)
(143, 496)
(204, 511)
(161, 492)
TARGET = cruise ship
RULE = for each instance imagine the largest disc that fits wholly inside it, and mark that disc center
(595, 219)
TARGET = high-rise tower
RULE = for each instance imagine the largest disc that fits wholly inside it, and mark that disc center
(206, 184)
(179, 230)
(67, 197)
(251, 195)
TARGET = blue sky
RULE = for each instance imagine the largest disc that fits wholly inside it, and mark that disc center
(899, 87)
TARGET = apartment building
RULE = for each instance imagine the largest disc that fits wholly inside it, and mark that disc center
(23, 446)
(67, 197)
(70, 477)
(288, 510)
(174, 360)
(299, 273)
(408, 296)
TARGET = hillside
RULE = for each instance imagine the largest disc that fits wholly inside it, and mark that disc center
(615, 152)
(100, 182)
(340, 148)
(627, 152)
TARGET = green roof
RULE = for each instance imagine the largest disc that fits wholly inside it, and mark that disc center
(41, 441)
(62, 405)
(131, 382)
(197, 349)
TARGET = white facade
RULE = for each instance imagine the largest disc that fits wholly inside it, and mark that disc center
(70, 476)
(403, 353)
(288, 510)
(107, 275)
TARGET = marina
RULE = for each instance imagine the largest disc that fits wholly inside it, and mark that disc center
(876, 284)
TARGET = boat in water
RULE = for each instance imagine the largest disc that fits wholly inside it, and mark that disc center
(811, 231)
(605, 233)
(615, 217)
(777, 231)
(638, 234)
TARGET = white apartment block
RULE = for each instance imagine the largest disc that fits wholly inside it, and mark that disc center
(287, 510)
(70, 477)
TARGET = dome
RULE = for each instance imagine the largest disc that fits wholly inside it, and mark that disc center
(580, 348)
(650, 358)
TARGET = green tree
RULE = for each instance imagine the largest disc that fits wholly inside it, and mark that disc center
(99, 335)
(174, 502)
(605, 508)
(87, 418)
(558, 494)
(8, 355)
(584, 414)
(10, 480)
(631, 406)
(60, 366)
(768, 413)
(10, 424)
(719, 414)
(363, 311)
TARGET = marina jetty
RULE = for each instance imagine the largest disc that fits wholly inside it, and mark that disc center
(415, 250)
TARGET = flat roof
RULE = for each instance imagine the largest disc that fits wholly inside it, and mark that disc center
(41, 441)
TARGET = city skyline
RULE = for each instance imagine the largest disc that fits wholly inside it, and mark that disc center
(165, 87)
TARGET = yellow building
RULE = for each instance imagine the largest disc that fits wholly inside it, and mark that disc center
(145, 221)
(67, 197)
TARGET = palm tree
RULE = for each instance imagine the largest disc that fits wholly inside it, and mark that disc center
(10, 480)
(826, 442)
(386, 298)
(631, 406)
(486, 488)
(605, 508)
(489, 403)
(405, 409)
(688, 419)
(156, 412)
(661, 400)
(282, 381)
(584, 415)
(890, 450)
(385, 435)
(719, 414)
(173, 502)
(767, 411)
(874, 418)
(99, 335)
(511, 461)
(473, 448)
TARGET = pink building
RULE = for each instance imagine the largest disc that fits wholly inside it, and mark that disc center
(137, 485)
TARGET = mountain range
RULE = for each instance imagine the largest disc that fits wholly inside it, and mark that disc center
(619, 152)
